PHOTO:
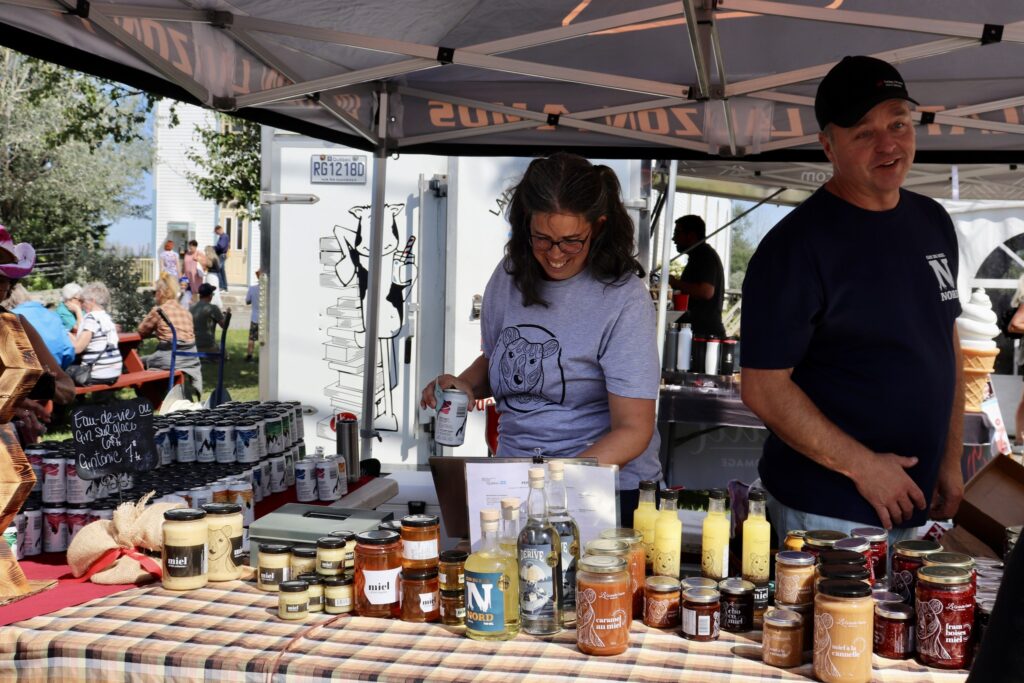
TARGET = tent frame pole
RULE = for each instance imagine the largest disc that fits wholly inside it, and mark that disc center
(668, 226)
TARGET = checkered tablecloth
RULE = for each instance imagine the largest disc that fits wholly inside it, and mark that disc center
(230, 632)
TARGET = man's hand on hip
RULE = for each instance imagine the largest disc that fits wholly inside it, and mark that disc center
(883, 481)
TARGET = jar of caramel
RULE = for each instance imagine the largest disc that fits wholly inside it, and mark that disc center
(701, 614)
(604, 602)
(783, 642)
(806, 612)
(661, 602)
(794, 577)
(894, 630)
(794, 539)
(843, 631)
(737, 605)
(945, 616)
(378, 563)
(421, 599)
(420, 541)
(878, 538)
(452, 570)
(907, 558)
(821, 539)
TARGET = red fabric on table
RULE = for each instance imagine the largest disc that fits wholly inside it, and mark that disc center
(68, 593)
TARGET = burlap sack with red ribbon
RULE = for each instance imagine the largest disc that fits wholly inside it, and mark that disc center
(111, 551)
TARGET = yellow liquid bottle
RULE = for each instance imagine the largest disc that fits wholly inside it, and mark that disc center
(714, 552)
(668, 536)
(756, 540)
(645, 516)
(487, 582)
(508, 534)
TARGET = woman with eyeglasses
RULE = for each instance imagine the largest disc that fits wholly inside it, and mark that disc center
(569, 351)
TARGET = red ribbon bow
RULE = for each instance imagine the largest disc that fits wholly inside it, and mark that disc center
(108, 558)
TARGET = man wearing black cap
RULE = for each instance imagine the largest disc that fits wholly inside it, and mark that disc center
(850, 352)
(703, 279)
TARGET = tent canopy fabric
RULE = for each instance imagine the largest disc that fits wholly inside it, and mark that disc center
(692, 80)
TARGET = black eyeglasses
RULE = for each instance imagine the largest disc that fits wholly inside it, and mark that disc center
(568, 246)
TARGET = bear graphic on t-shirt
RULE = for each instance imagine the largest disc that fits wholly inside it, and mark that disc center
(521, 368)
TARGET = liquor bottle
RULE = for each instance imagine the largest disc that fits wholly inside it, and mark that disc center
(756, 551)
(714, 555)
(540, 565)
(645, 516)
(569, 535)
(486, 583)
(508, 535)
(668, 536)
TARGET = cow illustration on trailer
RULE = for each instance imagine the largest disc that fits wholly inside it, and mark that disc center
(345, 259)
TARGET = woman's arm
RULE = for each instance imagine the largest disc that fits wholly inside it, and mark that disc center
(64, 391)
(632, 426)
(1017, 321)
(82, 341)
(473, 380)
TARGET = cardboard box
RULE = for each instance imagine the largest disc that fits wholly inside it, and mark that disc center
(993, 500)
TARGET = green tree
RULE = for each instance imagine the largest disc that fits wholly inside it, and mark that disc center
(117, 270)
(228, 157)
(72, 152)
(742, 248)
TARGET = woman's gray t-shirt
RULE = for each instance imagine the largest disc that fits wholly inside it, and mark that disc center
(551, 368)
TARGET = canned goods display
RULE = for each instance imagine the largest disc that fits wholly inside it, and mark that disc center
(450, 424)
(247, 441)
(289, 467)
(328, 483)
(33, 529)
(54, 478)
(204, 444)
(223, 436)
(77, 490)
(55, 529)
(277, 475)
(163, 441)
(274, 430)
(305, 481)
(184, 443)
(78, 516)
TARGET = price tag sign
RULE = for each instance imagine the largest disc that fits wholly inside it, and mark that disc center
(337, 169)
(113, 438)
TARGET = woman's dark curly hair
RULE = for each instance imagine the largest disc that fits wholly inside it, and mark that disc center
(569, 184)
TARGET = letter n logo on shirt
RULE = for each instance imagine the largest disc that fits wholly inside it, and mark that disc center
(940, 266)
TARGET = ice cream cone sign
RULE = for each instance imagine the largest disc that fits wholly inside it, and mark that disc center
(977, 329)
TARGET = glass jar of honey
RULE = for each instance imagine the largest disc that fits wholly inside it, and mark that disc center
(315, 589)
(661, 602)
(421, 595)
(452, 570)
(378, 563)
(330, 555)
(293, 600)
(303, 560)
(350, 547)
(843, 631)
(420, 541)
(453, 608)
(273, 566)
(794, 539)
(339, 596)
(637, 563)
(604, 601)
(184, 553)
(224, 525)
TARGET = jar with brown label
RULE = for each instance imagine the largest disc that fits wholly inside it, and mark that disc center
(330, 555)
(894, 630)
(316, 590)
(452, 570)
(274, 565)
(945, 616)
(821, 539)
(377, 568)
(453, 608)
(224, 527)
(184, 555)
(701, 614)
(907, 558)
(421, 539)
(293, 600)
(783, 641)
(794, 577)
(661, 602)
(421, 595)
(303, 560)
(843, 631)
(737, 605)
(339, 596)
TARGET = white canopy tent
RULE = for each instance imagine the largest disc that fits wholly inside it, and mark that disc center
(725, 87)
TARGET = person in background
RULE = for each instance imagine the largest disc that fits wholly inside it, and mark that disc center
(851, 355)
(222, 247)
(67, 317)
(252, 298)
(185, 298)
(569, 350)
(97, 339)
(46, 322)
(192, 268)
(205, 319)
(31, 414)
(169, 260)
(703, 279)
(212, 263)
(154, 326)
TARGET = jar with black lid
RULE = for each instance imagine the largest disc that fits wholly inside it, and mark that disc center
(316, 590)
(451, 570)
(818, 540)
(421, 599)
(838, 556)
(737, 605)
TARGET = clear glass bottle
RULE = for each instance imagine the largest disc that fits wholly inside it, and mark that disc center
(540, 564)
(569, 533)
(714, 555)
(508, 536)
(668, 536)
(645, 516)
(486, 582)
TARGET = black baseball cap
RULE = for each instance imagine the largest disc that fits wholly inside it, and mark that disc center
(206, 289)
(855, 85)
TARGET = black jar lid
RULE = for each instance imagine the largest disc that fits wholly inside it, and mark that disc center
(304, 551)
(842, 557)
(378, 537)
(420, 520)
(330, 542)
(419, 574)
(844, 571)
(717, 494)
(453, 556)
(648, 485)
(844, 588)
(334, 581)
(222, 508)
(275, 548)
(311, 578)
(184, 515)
(453, 595)
(292, 586)
(757, 495)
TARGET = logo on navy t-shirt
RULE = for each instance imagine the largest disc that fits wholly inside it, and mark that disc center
(947, 283)
(530, 368)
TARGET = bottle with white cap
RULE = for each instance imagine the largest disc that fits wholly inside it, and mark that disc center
(486, 581)
(569, 535)
(540, 564)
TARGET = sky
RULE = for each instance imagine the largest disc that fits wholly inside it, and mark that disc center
(136, 234)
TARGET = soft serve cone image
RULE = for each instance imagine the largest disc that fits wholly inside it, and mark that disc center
(978, 329)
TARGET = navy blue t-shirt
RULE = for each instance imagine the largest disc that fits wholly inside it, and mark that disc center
(861, 304)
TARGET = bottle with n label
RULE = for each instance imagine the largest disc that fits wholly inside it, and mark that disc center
(569, 537)
(540, 565)
(486, 584)
(184, 557)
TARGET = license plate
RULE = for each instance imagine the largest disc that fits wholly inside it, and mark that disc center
(337, 169)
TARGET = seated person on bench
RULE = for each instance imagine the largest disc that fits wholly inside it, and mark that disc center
(96, 343)
(154, 326)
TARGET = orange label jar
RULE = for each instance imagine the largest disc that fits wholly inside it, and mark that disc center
(378, 563)
(604, 600)
(637, 563)
(661, 602)
(843, 631)
(420, 541)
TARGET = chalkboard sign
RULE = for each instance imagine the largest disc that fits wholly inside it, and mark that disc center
(112, 438)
